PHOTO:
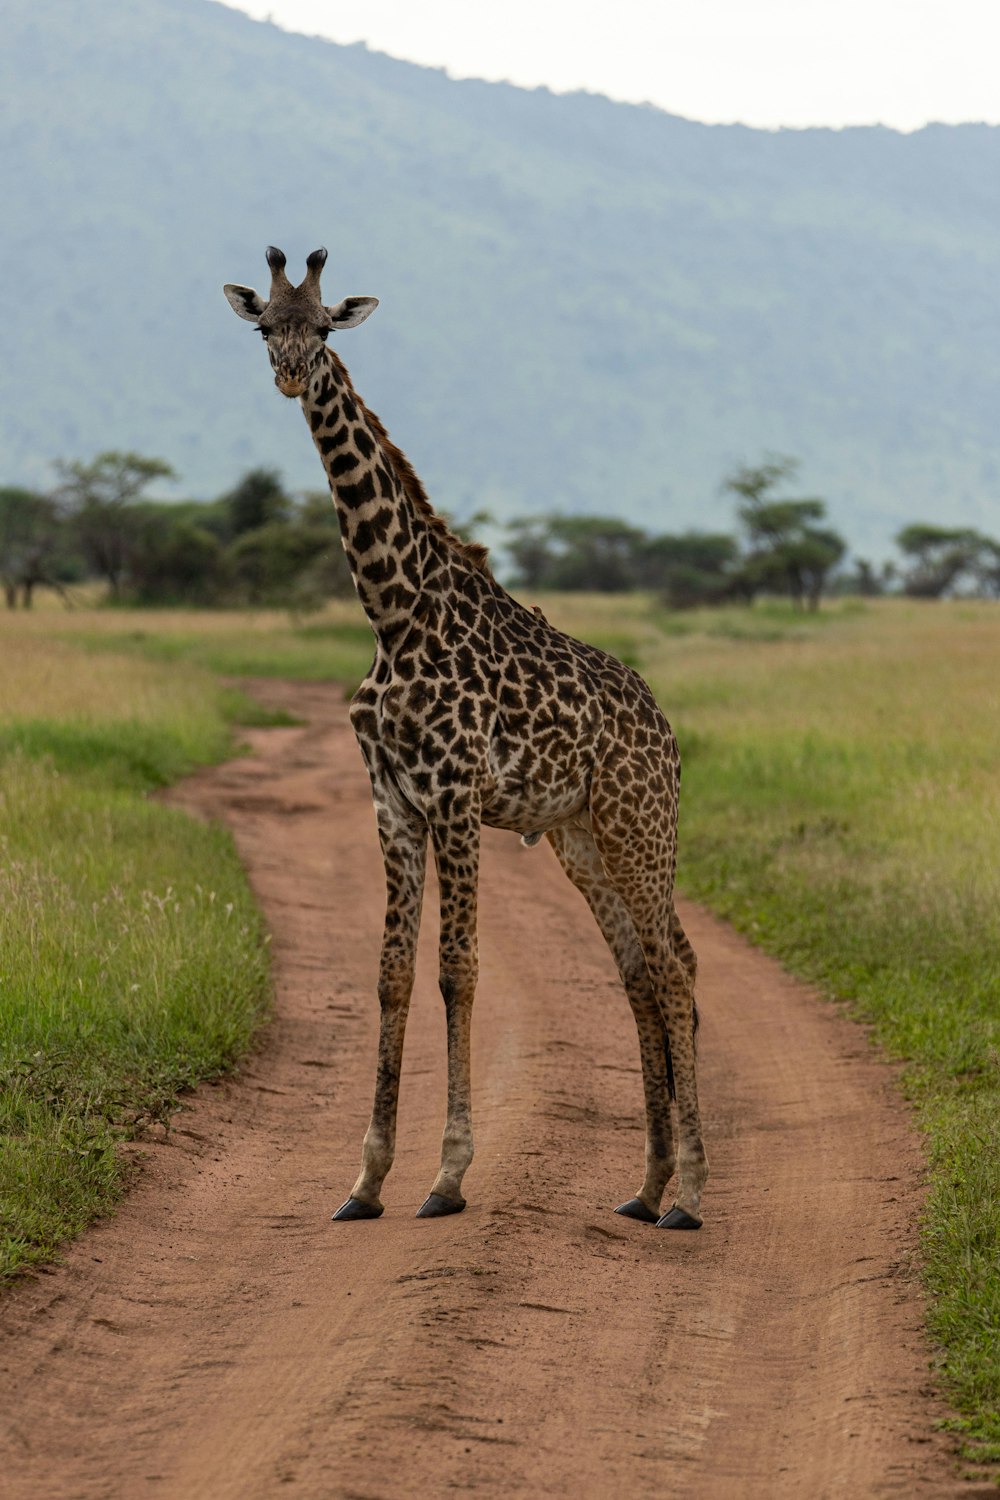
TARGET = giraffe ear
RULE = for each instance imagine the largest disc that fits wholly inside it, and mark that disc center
(351, 312)
(244, 302)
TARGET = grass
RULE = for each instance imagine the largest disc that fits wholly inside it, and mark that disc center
(842, 807)
(133, 962)
(337, 646)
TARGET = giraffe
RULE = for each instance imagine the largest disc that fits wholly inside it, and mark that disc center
(477, 710)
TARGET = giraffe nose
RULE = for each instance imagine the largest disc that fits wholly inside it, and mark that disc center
(290, 385)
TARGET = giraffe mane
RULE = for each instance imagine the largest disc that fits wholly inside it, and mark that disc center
(473, 553)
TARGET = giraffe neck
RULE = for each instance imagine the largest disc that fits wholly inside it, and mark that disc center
(397, 548)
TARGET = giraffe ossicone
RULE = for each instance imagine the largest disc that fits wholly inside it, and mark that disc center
(477, 710)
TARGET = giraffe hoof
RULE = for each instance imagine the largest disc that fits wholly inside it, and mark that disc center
(355, 1209)
(678, 1218)
(636, 1209)
(435, 1207)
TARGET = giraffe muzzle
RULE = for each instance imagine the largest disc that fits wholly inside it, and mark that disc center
(290, 385)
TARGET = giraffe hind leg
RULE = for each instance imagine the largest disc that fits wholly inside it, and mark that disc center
(637, 856)
(577, 853)
(683, 950)
(671, 984)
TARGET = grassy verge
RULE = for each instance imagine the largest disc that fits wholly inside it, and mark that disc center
(132, 959)
(338, 646)
(842, 807)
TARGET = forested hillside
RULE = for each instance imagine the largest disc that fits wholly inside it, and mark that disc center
(585, 305)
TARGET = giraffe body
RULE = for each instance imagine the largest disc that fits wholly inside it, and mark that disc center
(476, 710)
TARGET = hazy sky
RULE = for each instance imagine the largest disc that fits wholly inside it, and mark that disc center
(765, 62)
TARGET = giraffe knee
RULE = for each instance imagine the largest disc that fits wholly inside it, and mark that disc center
(458, 984)
(678, 978)
(394, 989)
(633, 973)
(682, 947)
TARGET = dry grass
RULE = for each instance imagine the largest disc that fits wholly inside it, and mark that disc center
(46, 678)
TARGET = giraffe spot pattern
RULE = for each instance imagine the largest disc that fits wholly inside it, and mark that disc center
(477, 710)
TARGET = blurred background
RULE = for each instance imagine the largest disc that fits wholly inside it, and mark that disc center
(590, 307)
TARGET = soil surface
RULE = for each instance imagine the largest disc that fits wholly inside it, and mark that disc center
(220, 1339)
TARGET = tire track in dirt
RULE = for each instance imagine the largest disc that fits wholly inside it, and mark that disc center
(219, 1338)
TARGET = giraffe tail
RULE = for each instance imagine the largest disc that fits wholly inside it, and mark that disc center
(666, 1049)
(671, 1088)
(686, 954)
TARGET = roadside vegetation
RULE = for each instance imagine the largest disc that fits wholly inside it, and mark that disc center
(335, 645)
(132, 959)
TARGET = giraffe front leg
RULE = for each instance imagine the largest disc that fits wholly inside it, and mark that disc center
(404, 847)
(456, 850)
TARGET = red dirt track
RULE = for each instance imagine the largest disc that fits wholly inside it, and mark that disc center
(220, 1339)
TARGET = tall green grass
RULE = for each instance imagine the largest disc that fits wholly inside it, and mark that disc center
(133, 962)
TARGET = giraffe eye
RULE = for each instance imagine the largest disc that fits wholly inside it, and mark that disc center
(264, 332)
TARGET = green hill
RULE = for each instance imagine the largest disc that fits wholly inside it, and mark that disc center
(585, 305)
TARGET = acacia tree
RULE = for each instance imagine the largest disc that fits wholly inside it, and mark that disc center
(258, 499)
(695, 567)
(100, 497)
(30, 544)
(173, 559)
(939, 556)
(867, 579)
(530, 551)
(787, 552)
(986, 568)
(576, 552)
(596, 552)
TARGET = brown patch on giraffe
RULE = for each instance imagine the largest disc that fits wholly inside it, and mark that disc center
(219, 1337)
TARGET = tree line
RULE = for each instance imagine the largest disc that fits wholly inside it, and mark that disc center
(259, 545)
(782, 546)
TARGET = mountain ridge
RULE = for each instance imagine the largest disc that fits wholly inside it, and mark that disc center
(586, 305)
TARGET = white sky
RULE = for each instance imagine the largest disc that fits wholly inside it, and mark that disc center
(763, 62)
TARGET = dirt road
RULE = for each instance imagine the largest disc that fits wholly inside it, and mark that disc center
(220, 1339)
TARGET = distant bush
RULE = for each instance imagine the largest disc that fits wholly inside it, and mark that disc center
(785, 551)
(36, 548)
(259, 545)
(944, 559)
(256, 544)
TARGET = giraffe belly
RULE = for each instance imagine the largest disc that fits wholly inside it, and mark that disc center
(526, 781)
(533, 823)
(517, 806)
(539, 777)
(527, 807)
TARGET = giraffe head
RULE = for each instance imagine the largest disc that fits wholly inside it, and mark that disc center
(294, 321)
